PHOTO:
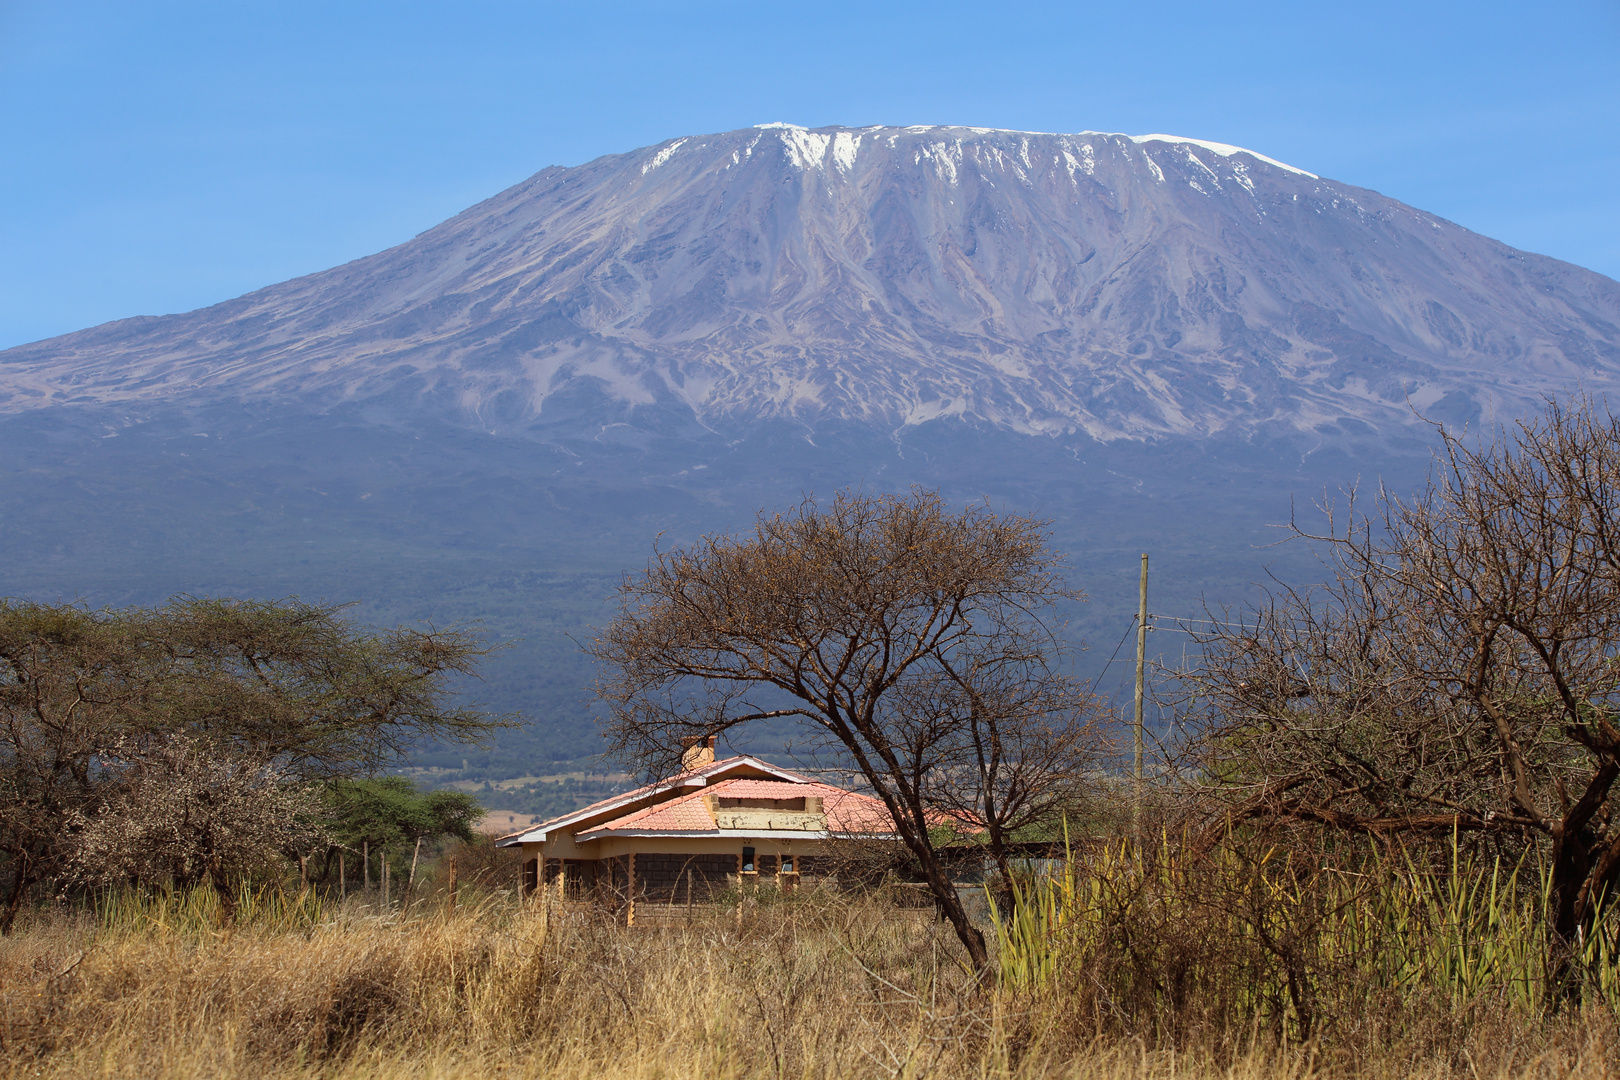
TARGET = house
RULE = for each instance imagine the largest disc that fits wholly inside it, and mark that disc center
(714, 827)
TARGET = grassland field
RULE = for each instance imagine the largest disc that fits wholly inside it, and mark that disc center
(1104, 976)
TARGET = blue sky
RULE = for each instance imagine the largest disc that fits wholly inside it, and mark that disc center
(158, 157)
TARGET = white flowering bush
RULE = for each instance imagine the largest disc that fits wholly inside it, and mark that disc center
(179, 812)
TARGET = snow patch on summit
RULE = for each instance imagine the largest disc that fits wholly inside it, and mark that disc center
(806, 149)
(845, 147)
(947, 157)
(1223, 149)
(662, 156)
(1086, 163)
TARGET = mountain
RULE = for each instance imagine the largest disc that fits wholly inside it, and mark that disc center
(1159, 344)
(1113, 286)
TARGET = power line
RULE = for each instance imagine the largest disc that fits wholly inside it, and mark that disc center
(1179, 619)
(1220, 627)
(1131, 626)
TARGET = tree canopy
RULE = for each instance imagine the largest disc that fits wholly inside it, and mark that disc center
(385, 812)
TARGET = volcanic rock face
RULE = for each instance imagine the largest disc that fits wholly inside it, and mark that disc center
(1094, 284)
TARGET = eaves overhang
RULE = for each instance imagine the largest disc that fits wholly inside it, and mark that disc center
(732, 834)
(711, 834)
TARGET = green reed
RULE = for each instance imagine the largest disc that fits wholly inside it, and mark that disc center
(1290, 937)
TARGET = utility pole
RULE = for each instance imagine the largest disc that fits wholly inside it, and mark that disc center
(1141, 673)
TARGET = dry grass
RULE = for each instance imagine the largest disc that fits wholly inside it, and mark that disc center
(823, 987)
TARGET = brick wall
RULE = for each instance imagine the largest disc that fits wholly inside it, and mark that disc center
(662, 878)
(580, 877)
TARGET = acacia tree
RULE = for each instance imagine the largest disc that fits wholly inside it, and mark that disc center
(878, 622)
(1460, 672)
(283, 685)
(380, 813)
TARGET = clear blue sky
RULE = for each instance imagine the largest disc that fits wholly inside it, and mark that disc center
(159, 156)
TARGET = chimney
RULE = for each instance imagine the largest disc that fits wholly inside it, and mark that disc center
(698, 753)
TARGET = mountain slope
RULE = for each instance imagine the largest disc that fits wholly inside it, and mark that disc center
(1158, 344)
(1060, 284)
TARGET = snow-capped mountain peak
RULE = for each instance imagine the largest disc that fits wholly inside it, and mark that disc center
(1118, 286)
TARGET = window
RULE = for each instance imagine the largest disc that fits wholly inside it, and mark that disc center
(748, 860)
(787, 863)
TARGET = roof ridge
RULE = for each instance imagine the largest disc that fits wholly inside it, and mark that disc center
(614, 816)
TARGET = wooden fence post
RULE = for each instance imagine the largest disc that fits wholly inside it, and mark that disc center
(410, 882)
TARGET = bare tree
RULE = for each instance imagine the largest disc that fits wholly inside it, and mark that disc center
(1460, 671)
(1016, 745)
(880, 623)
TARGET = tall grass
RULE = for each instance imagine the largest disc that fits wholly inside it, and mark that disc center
(194, 911)
(1101, 976)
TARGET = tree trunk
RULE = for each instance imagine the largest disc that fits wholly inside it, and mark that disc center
(1571, 865)
(227, 898)
(1006, 895)
(950, 905)
(19, 887)
(326, 864)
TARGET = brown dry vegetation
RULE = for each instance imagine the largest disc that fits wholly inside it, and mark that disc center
(820, 986)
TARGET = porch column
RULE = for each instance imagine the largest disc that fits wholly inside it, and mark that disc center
(630, 911)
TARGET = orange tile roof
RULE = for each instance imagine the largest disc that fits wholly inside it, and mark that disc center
(847, 811)
(645, 789)
(688, 813)
(850, 812)
(614, 802)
